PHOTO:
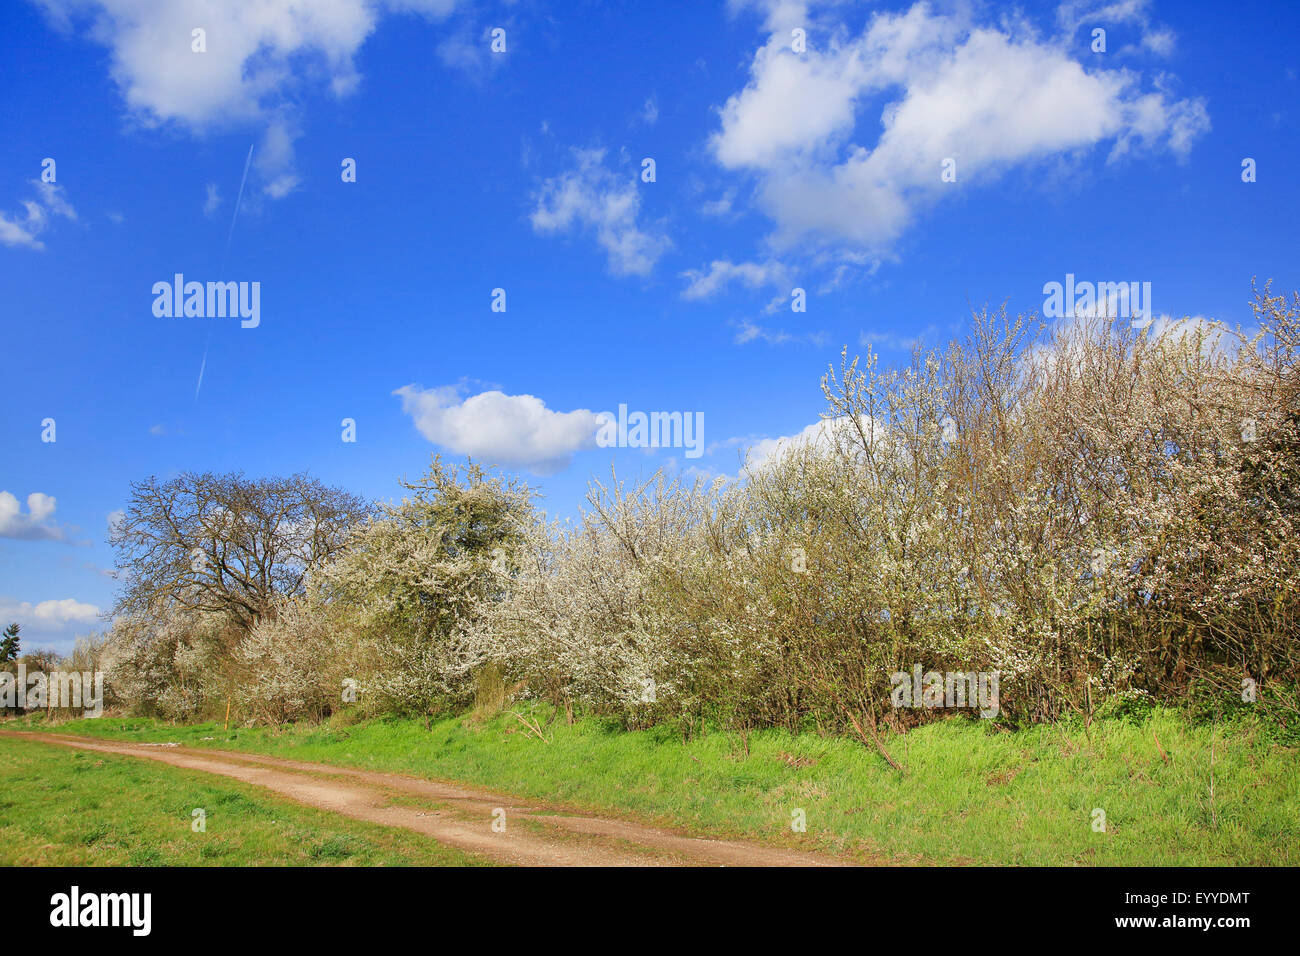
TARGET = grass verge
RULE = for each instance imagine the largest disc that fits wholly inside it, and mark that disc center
(969, 793)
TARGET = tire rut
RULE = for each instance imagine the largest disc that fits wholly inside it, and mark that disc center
(454, 814)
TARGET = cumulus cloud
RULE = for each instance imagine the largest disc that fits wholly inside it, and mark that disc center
(35, 525)
(766, 450)
(833, 165)
(47, 615)
(258, 57)
(821, 435)
(39, 213)
(1214, 337)
(511, 430)
(595, 199)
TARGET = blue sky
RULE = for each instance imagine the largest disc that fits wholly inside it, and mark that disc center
(775, 169)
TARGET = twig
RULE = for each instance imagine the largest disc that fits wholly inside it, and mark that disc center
(875, 740)
(1163, 756)
(532, 726)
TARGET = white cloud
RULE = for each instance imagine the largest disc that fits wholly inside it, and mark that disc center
(1160, 42)
(594, 199)
(1074, 14)
(1214, 337)
(35, 525)
(720, 273)
(821, 435)
(274, 161)
(1064, 345)
(466, 52)
(213, 201)
(47, 616)
(39, 213)
(430, 8)
(987, 96)
(752, 332)
(511, 430)
(258, 57)
(766, 450)
(893, 341)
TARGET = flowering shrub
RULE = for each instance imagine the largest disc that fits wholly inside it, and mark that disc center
(292, 663)
(1094, 512)
(171, 663)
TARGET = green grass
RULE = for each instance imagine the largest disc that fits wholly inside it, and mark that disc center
(61, 807)
(970, 793)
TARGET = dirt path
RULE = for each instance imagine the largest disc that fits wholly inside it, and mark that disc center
(458, 816)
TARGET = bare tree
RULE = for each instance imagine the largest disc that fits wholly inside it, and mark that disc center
(226, 544)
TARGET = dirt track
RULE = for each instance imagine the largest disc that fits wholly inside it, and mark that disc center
(458, 816)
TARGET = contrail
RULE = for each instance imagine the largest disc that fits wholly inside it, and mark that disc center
(202, 366)
(221, 274)
(238, 200)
